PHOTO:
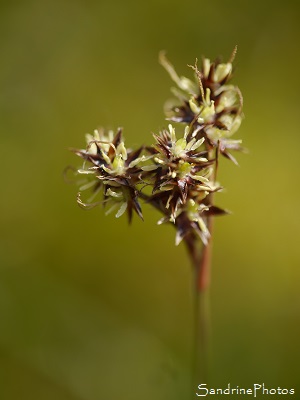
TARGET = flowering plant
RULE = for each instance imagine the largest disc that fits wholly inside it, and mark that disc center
(180, 170)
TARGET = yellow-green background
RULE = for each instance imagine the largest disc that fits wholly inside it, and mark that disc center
(89, 307)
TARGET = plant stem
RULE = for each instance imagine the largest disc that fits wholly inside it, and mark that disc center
(201, 284)
(201, 260)
(201, 281)
(203, 269)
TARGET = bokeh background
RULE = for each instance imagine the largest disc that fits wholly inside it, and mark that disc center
(89, 307)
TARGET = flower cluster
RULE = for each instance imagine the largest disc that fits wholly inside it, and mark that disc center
(209, 103)
(114, 170)
(181, 181)
(181, 171)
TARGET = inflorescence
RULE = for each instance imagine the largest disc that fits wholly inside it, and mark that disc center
(180, 170)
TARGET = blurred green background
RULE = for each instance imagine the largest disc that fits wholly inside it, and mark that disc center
(89, 307)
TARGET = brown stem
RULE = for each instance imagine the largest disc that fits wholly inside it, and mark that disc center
(201, 314)
(201, 259)
(204, 266)
(202, 271)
